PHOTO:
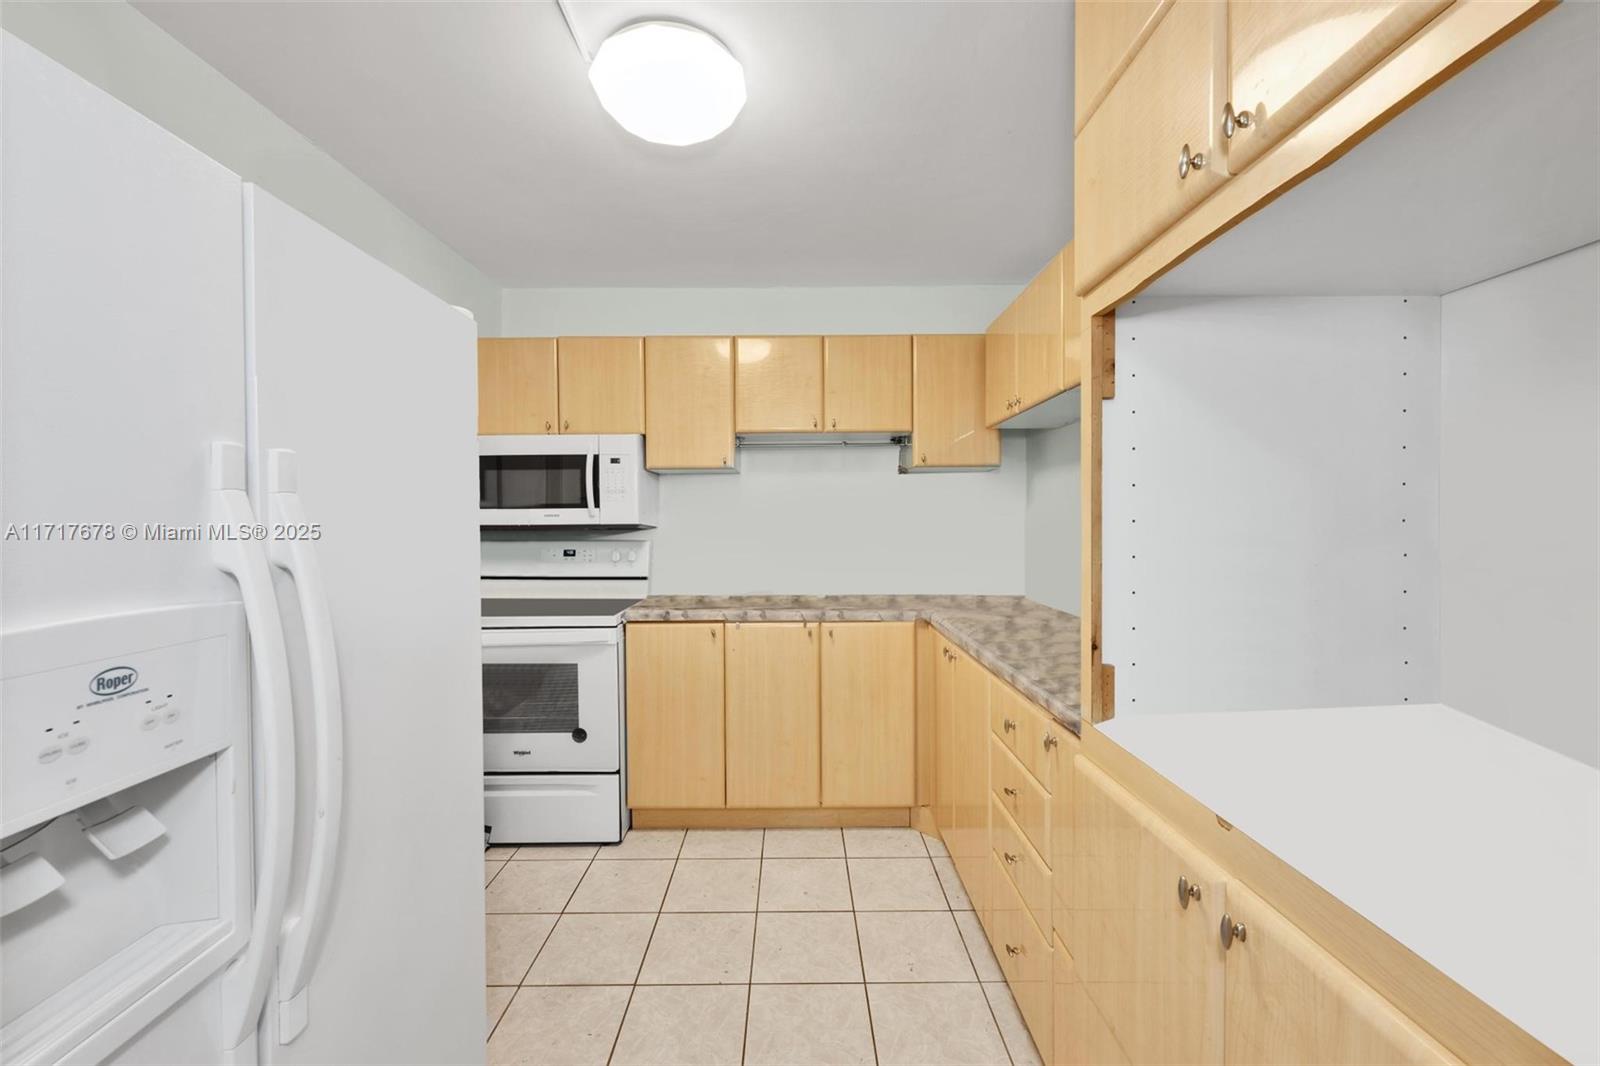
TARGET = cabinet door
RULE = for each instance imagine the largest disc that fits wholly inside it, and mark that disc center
(1105, 31)
(1152, 965)
(947, 418)
(927, 711)
(1061, 834)
(602, 384)
(1290, 1001)
(773, 710)
(688, 403)
(1287, 59)
(1041, 351)
(868, 714)
(868, 384)
(675, 695)
(970, 846)
(944, 745)
(1079, 1035)
(778, 386)
(1000, 367)
(517, 385)
(1127, 186)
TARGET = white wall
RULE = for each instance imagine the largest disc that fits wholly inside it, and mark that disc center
(841, 520)
(114, 46)
(1270, 503)
(1054, 518)
(1519, 476)
(629, 312)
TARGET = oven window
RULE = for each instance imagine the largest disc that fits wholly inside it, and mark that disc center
(531, 481)
(530, 697)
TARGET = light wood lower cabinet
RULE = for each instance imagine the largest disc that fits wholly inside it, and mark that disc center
(1290, 1001)
(869, 714)
(688, 403)
(517, 385)
(1148, 956)
(1023, 953)
(1079, 1035)
(968, 839)
(948, 428)
(944, 745)
(773, 725)
(675, 701)
(601, 384)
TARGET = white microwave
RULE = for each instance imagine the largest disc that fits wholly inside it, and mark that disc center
(565, 480)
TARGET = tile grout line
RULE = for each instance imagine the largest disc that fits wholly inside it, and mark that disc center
(755, 925)
(855, 923)
(634, 987)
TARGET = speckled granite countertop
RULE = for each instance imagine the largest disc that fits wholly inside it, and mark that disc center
(1033, 647)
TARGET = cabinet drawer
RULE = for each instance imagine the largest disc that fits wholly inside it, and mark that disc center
(1128, 189)
(1039, 742)
(1024, 956)
(1020, 794)
(1021, 863)
(1005, 718)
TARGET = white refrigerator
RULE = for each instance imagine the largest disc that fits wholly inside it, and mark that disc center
(241, 798)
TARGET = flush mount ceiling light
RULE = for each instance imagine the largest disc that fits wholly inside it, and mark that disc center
(668, 82)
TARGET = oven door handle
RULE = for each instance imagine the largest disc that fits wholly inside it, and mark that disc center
(546, 638)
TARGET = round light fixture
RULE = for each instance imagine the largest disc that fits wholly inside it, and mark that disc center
(668, 82)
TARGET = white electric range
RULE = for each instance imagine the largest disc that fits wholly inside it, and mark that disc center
(553, 743)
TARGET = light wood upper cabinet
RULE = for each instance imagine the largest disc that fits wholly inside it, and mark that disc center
(517, 385)
(1000, 367)
(778, 385)
(947, 417)
(675, 699)
(867, 383)
(1290, 1001)
(601, 384)
(1289, 58)
(868, 714)
(773, 715)
(1127, 182)
(1151, 964)
(1106, 32)
(688, 403)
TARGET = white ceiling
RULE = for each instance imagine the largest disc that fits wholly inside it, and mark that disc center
(1498, 168)
(883, 143)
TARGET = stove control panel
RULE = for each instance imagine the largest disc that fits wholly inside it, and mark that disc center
(566, 558)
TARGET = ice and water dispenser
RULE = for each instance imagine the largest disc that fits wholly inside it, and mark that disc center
(124, 832)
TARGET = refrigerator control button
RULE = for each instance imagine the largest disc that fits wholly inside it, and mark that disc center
(50, 754)
(78, 747)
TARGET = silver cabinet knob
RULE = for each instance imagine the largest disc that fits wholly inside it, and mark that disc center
(813, 423)
(1011, 726)
(1010, 858)
(924, 458)
(1013, 950)
(1231, 931)
(1008, 790)
(1050, 741)
(1187, 162)
(1187, 890)
(1233, 121)
(547, 425)
(565, 425)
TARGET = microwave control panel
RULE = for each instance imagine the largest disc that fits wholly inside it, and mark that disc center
(96, 706)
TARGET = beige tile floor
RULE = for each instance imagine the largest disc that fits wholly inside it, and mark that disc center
(776, 946)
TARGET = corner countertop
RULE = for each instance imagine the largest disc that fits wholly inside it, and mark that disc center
(1032, 647)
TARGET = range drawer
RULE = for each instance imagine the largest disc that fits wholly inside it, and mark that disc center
(1027, 803)
(1022, 864)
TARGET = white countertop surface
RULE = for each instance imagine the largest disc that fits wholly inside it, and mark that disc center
(1478, 850)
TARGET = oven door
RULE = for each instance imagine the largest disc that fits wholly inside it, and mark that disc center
(538, 481)
(552, 700)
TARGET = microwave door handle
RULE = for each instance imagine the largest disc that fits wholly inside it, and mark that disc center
(594, 483)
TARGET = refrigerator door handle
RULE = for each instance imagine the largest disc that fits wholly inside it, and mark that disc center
(292, 552)
(237, 552)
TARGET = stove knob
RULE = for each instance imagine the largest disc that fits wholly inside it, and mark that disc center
(633, 557)
(616, 557)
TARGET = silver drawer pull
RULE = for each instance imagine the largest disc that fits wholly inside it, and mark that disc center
(1050, 741)
(1010, 858)
(1187, 162)
(1013, 950)
(1008, 790)
(1011, 726)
